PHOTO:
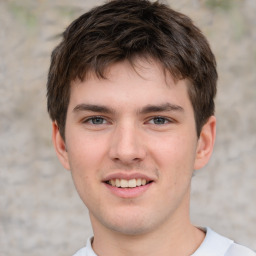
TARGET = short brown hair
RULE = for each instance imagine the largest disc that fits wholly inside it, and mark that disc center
(126, 29)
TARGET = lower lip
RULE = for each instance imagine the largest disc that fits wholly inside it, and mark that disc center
(129, 192)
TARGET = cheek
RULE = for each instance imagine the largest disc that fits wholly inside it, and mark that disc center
(174, 151)
(85, 158)
(84, 166)
(175, 160)
(85, 152)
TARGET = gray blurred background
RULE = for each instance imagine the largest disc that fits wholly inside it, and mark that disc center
(40, 212)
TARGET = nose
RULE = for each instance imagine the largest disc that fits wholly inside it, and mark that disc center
(127, 145)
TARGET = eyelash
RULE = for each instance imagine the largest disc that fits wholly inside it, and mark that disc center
(89, 120)
(166, 120)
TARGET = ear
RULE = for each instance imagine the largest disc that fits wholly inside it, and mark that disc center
(60, 146)
(205, 143)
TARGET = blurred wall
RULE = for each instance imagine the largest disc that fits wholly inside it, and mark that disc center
(40, 212)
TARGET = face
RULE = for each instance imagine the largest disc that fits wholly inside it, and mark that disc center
(131, 146)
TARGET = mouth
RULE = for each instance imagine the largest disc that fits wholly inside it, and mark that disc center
(131, 183)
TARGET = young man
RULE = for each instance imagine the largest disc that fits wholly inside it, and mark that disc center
(131, 92)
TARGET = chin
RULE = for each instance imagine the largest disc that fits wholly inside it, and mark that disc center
(127, 220)
(130, 225)
(131, 230)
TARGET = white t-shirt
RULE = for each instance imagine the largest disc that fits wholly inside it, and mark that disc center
(213, 245)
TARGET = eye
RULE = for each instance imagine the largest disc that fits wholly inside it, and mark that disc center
(95, 120)
(159, 120)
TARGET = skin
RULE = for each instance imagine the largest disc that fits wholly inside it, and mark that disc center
(137, 122)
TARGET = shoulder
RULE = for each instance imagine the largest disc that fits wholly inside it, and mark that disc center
(238, 250)
(86, 251)
(81, 252)
(215, 244)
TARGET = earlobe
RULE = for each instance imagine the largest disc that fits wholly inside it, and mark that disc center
(60, 146)
(205, 143)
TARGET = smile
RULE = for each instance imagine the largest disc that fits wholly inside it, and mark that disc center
(123, 183)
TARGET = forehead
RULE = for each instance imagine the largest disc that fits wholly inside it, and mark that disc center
(142, 82)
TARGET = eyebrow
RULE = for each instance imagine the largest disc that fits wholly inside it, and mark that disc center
(161, 108)
(145, 110)
(93, 108)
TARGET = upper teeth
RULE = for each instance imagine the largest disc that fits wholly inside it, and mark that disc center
(127, 183)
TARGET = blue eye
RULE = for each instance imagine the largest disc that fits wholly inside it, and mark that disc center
(159, 120)
(97, 120)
